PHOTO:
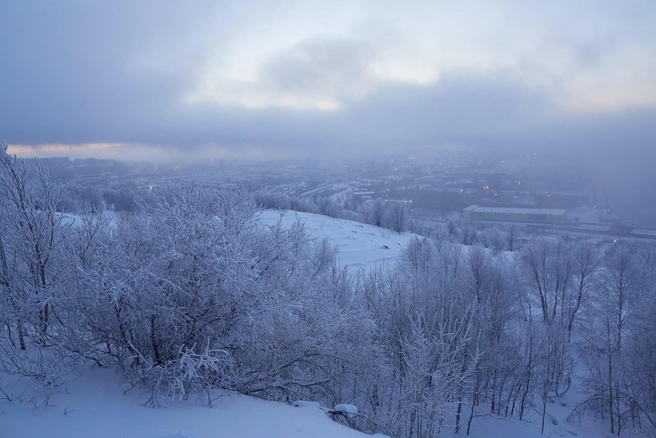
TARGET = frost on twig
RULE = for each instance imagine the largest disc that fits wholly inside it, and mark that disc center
(189, 373)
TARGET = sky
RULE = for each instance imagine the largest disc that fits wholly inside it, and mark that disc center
(275, 78)
(164, 80)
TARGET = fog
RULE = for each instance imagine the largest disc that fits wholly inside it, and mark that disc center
(571, 84)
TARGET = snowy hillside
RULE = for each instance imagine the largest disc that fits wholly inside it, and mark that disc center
(95, 405)
(364, 245)
(359, 245)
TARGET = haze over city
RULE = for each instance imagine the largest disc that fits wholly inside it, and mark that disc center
(572, 83)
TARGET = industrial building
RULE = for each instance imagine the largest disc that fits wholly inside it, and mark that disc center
(514, 214)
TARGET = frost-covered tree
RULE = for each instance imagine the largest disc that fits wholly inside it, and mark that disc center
(585, 267)
(193, 293)
(428, 331)
(31, 267)
(512, 234)
(374, 212)
(397, 218)
(607, 333)
(548, 270)
(31, 233)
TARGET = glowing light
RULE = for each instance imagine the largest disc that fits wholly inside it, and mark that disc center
(48, 149)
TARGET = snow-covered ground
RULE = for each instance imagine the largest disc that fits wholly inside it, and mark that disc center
(556, 424)
(94, 405)
(359, 245)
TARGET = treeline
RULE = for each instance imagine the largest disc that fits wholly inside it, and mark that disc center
(375, 212)
(191, 294)
(82, 199)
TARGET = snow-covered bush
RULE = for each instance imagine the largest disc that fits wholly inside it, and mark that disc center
(189, 373)
(194, 273)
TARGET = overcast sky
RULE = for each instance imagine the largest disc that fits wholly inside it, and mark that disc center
(265, 79)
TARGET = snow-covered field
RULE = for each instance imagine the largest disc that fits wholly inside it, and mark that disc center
(359, 245)
(94, 405)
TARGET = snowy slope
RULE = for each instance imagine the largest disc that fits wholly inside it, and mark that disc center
(95, 406)
(362, 245)
(359, 245)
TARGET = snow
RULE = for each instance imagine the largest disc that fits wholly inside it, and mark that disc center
(349, 411)
(306, 404)
(95, 406)
(359, 245)
(310, 405)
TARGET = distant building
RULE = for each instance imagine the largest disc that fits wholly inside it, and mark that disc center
(514, 214)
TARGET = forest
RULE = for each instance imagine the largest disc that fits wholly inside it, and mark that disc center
(190, 295)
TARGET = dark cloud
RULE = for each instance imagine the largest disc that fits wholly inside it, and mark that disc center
(71, 73)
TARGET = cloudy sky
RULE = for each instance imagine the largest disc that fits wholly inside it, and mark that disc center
(265, 79)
